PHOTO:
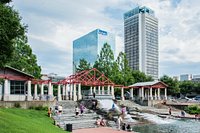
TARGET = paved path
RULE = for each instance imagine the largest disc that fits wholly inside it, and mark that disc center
(99, 130)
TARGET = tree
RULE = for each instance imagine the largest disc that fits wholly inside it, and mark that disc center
(140, 76)
(173, 85)
(23, 58)
(10, 29)
(186, 87)
(125, 70)
(83, 65)
(105, 60)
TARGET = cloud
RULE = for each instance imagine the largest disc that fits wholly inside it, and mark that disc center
(53, 25)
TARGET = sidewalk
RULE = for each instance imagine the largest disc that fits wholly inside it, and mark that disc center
(99, 130)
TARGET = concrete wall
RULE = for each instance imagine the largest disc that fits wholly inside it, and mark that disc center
(27, 104)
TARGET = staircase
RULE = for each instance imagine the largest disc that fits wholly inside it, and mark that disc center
(87, 120)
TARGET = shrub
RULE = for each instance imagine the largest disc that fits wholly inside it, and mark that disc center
(193, 109)
(40, 107)
(17, 105)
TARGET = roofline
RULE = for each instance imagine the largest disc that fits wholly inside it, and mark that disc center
(19, 71)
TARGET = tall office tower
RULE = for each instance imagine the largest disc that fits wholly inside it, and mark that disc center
(88, 47)
(141, 40)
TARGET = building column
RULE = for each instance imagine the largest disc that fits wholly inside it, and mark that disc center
(70, 93)
(79, 92)
(29, 97)
(74, 93)
(122, 94)
(155, 94)
(59, 94)
(131, 93)
(6, 91)
(99, 90)
(102, 90)
(151, 97)
(91, 90)
(35, 92)
(66, 92)
(142, 93)
(112, 92)
(94, 89)
(165, 93)
(108, 90)
(63, 92)
(158, 93)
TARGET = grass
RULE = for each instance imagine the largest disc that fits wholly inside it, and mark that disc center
(15, 120)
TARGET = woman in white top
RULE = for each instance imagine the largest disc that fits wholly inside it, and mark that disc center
(76, 111)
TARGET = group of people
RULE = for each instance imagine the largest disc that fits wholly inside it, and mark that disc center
(81, 108)
(101, 122)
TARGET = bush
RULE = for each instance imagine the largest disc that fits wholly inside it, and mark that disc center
(193, 109)
(17, 105)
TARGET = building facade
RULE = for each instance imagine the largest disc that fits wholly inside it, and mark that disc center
(89, 46)
(185, 77)
(141, 40)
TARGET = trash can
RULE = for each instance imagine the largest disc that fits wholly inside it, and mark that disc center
(69, 127)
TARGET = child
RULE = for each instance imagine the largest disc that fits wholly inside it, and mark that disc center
(49, 112)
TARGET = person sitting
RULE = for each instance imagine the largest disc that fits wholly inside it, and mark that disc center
(129, 128)
(102, 122)
(182, 113)
(98, 122)
(60, 109)
(124, 126)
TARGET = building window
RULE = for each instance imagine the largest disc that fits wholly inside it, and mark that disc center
(17, 87)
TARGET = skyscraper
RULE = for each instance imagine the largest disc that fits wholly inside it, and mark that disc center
(88, 47)
(141, 40)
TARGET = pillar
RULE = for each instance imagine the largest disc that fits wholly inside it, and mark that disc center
(70, 93)
(59, 94)
(79, 92)
(49, 89)
(165, 93)
(94, 90)
(158, 93)
(151, 93)
(122, 94)
(99, 90)
(66, 91)
(91, 90)
(42, 90)
(102, 90)
(35, 92)
(63, 92)
(112, 92)
(6, 91)
(29, 97)
(142, 93)
(155, 94)
(108, 90)
(131, 93)
(74, 93)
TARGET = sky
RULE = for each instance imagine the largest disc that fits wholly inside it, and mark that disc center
(53, 25)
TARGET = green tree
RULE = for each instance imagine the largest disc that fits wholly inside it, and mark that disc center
(186, 87)
(173, 85)
(125, 70)
(83, 65)
(10, 29)
(23, 58)
(105, 60)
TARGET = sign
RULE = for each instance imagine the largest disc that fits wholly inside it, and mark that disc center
(102, 32)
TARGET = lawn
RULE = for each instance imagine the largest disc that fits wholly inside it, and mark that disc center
(15, 120)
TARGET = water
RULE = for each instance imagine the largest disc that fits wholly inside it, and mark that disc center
(171, 126)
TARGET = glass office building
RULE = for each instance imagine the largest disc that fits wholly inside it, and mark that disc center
(141, 40)
(88, 47)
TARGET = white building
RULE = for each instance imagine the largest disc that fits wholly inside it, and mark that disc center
(141, 40)
(185, 77)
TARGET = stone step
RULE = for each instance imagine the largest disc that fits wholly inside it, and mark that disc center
(75, 118)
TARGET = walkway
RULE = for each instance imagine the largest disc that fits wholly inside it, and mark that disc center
(99, 130)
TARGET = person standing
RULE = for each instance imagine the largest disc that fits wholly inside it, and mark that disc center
(82, 108)
(170, 111)
(94, 94)
(76, 111)
(49, 112)
(119, 121)
(60, 108)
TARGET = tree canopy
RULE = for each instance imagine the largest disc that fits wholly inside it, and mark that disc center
(15, 50)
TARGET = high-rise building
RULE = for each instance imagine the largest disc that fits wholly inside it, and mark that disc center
(88, 47)
(185, 77)
(141, 40)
